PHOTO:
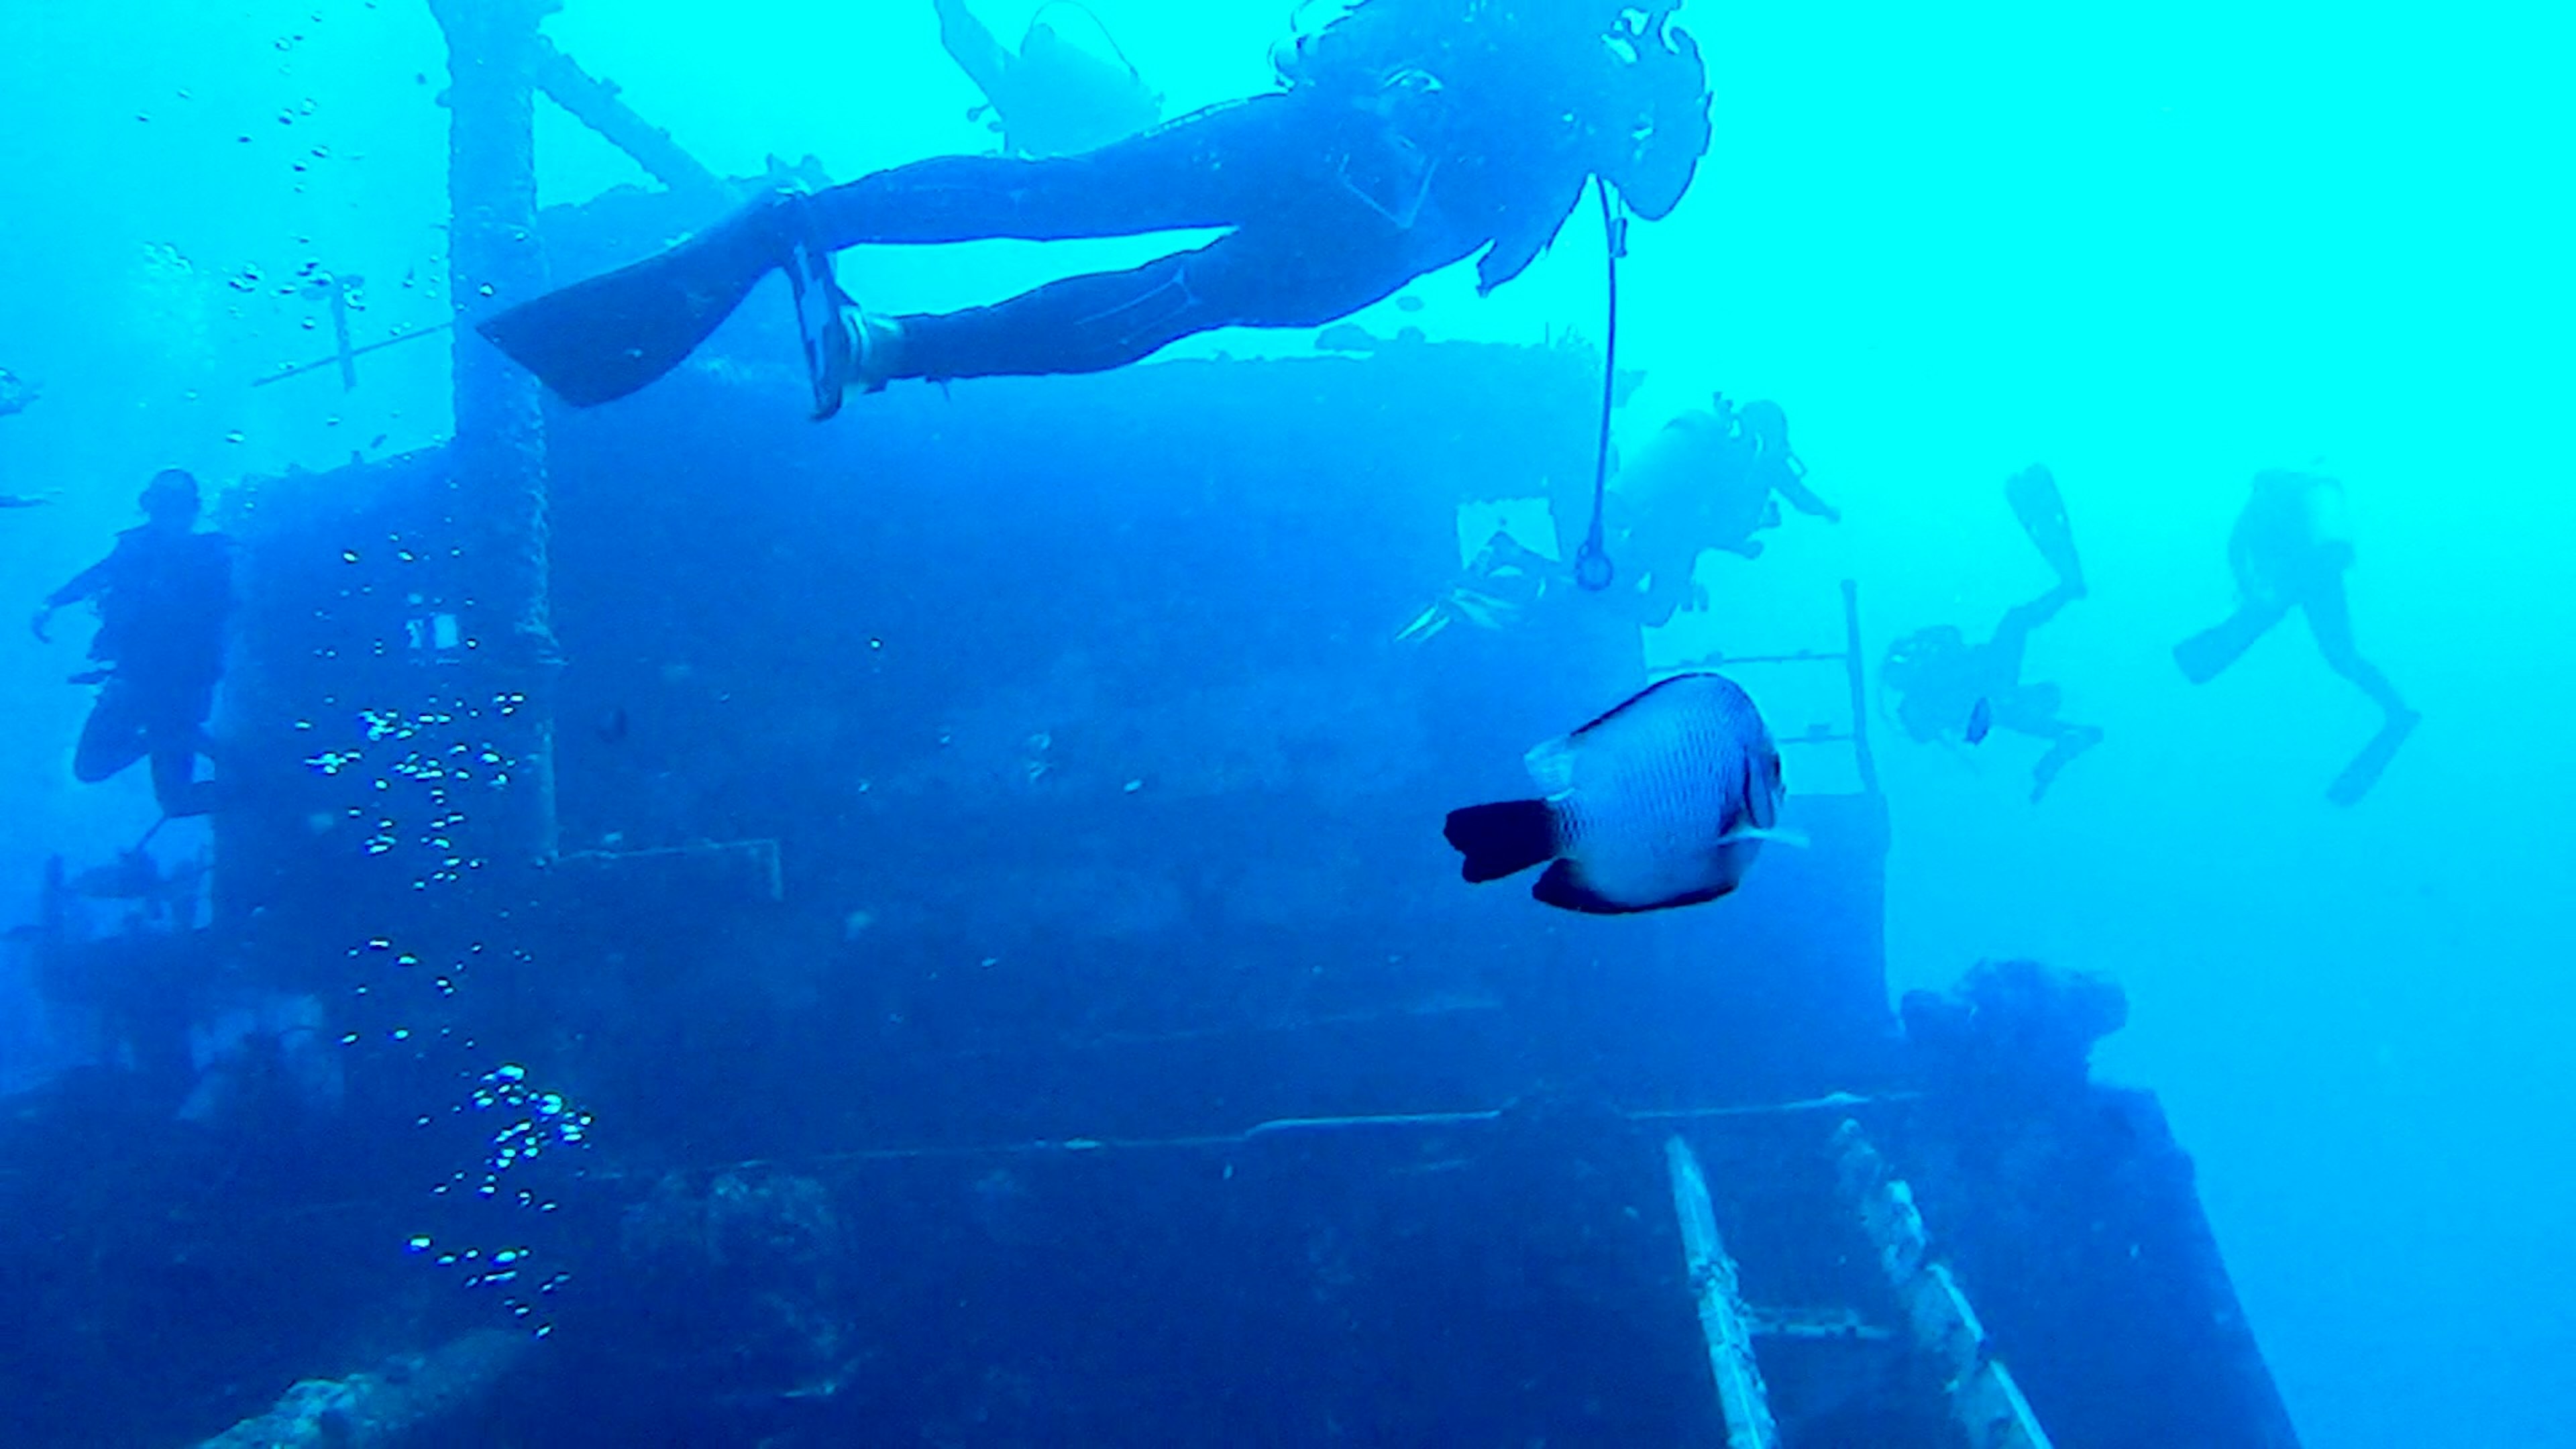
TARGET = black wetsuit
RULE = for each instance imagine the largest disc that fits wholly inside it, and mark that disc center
(1305, 246)
(164, 597)
(1412, 134)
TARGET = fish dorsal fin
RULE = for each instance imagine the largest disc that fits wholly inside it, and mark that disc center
(1552, 766)
(1689, 679)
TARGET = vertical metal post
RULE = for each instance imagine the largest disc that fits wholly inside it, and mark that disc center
(1856, 666)
(497, 485)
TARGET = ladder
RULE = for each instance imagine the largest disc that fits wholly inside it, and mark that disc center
(1939, 1328)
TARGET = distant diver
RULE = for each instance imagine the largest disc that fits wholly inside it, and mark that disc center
(164, 595)
(1051, 97)
(2290, 548)
(1711, 478)
(16, 396)
(1664, 801)
(1408, 135)
(1947, 688)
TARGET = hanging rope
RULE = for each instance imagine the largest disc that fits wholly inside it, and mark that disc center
(1097, 24)
(1592, 567)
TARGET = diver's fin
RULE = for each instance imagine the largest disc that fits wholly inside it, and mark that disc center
(2041, 508)
(2366, 768)
(1499, 839)
(825, 319)
(2206, 654)
(596, 341)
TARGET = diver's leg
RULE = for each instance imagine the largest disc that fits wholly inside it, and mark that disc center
(2330, 620)
(111, 739)
(2205, 655)
(1228, 165)
(601, 339)
(174, 777)
(175, 732)
(2012, 632)
(1250, 278)
(2068, 741)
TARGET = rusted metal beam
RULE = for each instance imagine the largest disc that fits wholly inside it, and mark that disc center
(597, 104)
(497, 479)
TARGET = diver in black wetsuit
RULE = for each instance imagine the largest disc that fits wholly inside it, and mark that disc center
(1410, 134)
(2289, 550)
(1051, 97)
(1948, 688)
(164, 594)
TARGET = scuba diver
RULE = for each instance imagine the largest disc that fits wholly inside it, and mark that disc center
(163, 595)
(2290, 548)
(1947, 688)
(1409, 135)
(16, 396)
(1711, 478)
(1051, 98)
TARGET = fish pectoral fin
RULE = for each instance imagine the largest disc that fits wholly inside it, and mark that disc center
(1502, 838)
(1794, 838)
(1552, 766)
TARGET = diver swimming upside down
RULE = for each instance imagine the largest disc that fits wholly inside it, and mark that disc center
(1947, 688)
(1408, 135)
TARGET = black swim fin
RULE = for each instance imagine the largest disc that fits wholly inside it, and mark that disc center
(2041, 508)
(2366, 768)
(1501, 838)
(597, 341)
(2205, 655)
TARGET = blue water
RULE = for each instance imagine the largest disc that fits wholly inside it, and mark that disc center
(2159, 248)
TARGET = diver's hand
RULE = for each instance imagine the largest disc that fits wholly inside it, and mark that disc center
(37, 625)
(1831, 514)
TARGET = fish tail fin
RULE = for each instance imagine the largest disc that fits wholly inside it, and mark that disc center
(1501, 838)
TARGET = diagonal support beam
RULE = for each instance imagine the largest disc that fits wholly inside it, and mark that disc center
(1723, 1318)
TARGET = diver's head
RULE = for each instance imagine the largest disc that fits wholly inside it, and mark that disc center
(171, 498)
(1663, 122)
(1767, 423)
(1915, 661)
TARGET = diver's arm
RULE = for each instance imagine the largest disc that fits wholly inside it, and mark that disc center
(1792, 486)
(1529, 224)
(87, 584)
(972, 44)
